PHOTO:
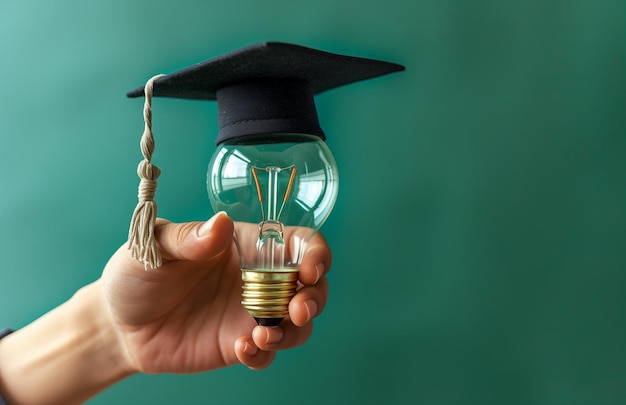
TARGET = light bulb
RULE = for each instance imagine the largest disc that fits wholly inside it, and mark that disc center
(271, 171)
(281, 188)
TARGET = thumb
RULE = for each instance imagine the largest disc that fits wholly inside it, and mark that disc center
(195, 240)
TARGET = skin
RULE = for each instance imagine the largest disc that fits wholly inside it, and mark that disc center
(184, 317)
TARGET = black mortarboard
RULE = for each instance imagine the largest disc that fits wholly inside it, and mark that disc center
(268, 87)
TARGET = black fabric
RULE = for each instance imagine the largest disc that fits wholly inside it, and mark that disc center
(292, 68)
(3, 333)
(281, 106)
(323, 70)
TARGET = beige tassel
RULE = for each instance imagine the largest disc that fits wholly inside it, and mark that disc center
(141, 240)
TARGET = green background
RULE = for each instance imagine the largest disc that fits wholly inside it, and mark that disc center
(479, 238)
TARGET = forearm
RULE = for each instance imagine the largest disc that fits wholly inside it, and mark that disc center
(65, 357)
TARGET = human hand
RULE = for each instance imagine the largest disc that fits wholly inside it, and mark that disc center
(186, 316)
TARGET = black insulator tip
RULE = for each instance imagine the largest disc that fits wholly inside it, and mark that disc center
(268, 321)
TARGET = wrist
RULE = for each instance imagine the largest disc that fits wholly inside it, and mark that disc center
(92, 318)
(70, 354)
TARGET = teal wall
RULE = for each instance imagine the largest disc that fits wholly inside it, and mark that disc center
(480, 234)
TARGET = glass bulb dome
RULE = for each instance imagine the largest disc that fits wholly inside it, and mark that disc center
(281, 188)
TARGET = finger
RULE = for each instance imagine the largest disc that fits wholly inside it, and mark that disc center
(285, 336)
(194, 240)
(308, 303)
(251, 356)
(316, 261)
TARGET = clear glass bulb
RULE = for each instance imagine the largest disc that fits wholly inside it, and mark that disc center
(282, 188)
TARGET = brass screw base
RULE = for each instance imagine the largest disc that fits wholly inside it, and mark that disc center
(266, 294)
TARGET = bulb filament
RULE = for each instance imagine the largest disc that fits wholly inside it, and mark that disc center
(271, 243)
(273, 172)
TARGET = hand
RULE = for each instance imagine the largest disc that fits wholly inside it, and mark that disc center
(187, 317)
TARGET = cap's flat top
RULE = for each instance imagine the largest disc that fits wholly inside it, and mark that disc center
(323, 70)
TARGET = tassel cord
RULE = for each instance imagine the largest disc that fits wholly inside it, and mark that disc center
(141, 240)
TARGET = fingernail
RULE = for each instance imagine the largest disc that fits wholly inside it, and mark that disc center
(249, 349)
(311, 309)
(205, 228)
(319, 268)
(273, 335)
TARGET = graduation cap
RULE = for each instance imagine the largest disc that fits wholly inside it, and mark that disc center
(261, 90)
(268, 87)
